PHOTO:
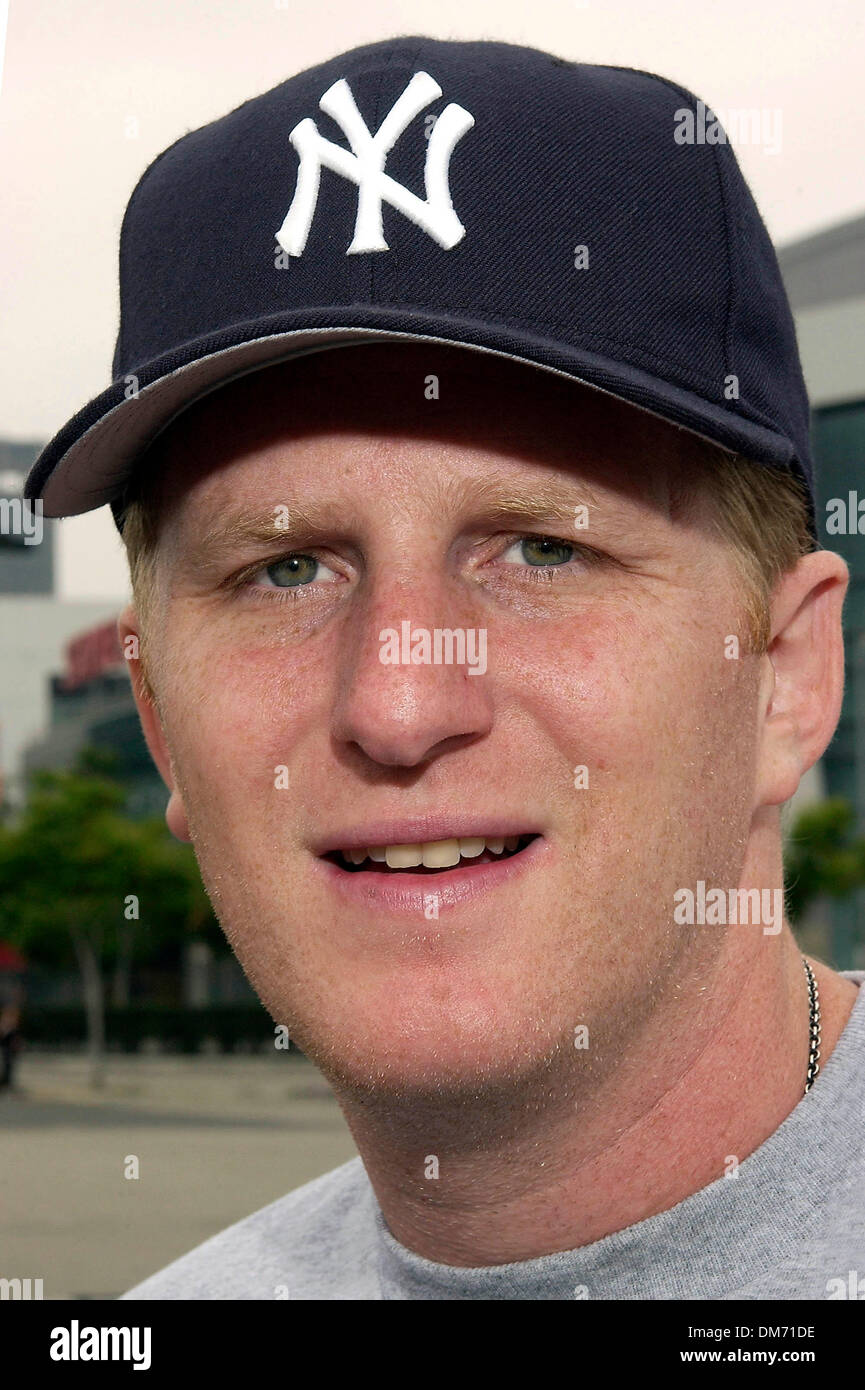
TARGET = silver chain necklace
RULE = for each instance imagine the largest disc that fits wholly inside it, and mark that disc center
(813, 1027)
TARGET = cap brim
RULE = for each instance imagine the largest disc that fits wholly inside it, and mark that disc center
(90, 461)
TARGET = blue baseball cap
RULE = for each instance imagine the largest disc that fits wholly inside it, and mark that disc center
(479, 194)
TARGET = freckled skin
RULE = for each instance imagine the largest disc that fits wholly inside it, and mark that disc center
(579, 673)
(616, 665)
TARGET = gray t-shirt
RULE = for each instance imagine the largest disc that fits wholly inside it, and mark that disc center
(791, 1225)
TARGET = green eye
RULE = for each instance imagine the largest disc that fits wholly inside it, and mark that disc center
(544, 550)
(292, 572)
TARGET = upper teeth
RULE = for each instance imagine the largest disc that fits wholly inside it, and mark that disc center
(436, 854)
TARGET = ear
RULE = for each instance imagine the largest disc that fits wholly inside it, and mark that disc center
(803, 673)
(129, 632)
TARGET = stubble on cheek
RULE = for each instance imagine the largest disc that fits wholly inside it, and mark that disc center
(681, 756)
(231, 719)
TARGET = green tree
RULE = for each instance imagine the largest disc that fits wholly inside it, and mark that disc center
(824, 857)
(76, 876)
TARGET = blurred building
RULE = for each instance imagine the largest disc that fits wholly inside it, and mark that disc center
(91, 706)
(34, 622)
(825, 280)
(26, 563)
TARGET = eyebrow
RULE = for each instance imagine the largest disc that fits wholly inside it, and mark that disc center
(541, 502)
(257, 529)
(254, 527)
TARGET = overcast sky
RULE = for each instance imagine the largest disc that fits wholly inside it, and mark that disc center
(79, 75)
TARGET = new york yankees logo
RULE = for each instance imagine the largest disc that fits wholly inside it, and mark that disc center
(365, 167)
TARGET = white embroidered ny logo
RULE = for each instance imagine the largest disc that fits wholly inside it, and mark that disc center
(365, 167)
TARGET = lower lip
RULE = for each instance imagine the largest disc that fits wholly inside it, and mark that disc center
(414, 893)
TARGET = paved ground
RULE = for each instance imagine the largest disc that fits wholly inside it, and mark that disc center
(216, 1138)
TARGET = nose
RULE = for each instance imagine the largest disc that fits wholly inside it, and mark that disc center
(400, 700)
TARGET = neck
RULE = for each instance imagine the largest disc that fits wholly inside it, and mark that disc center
(581, 1153)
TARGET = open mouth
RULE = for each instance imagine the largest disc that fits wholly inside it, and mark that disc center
(436, 857)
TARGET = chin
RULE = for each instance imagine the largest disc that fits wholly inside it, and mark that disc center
(425, 1049)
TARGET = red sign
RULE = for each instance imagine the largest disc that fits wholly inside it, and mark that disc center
(92, 653)
(10, 958)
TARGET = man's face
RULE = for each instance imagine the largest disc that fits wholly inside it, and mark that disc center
(608, 724)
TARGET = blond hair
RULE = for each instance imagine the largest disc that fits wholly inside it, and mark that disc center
(763, 514)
